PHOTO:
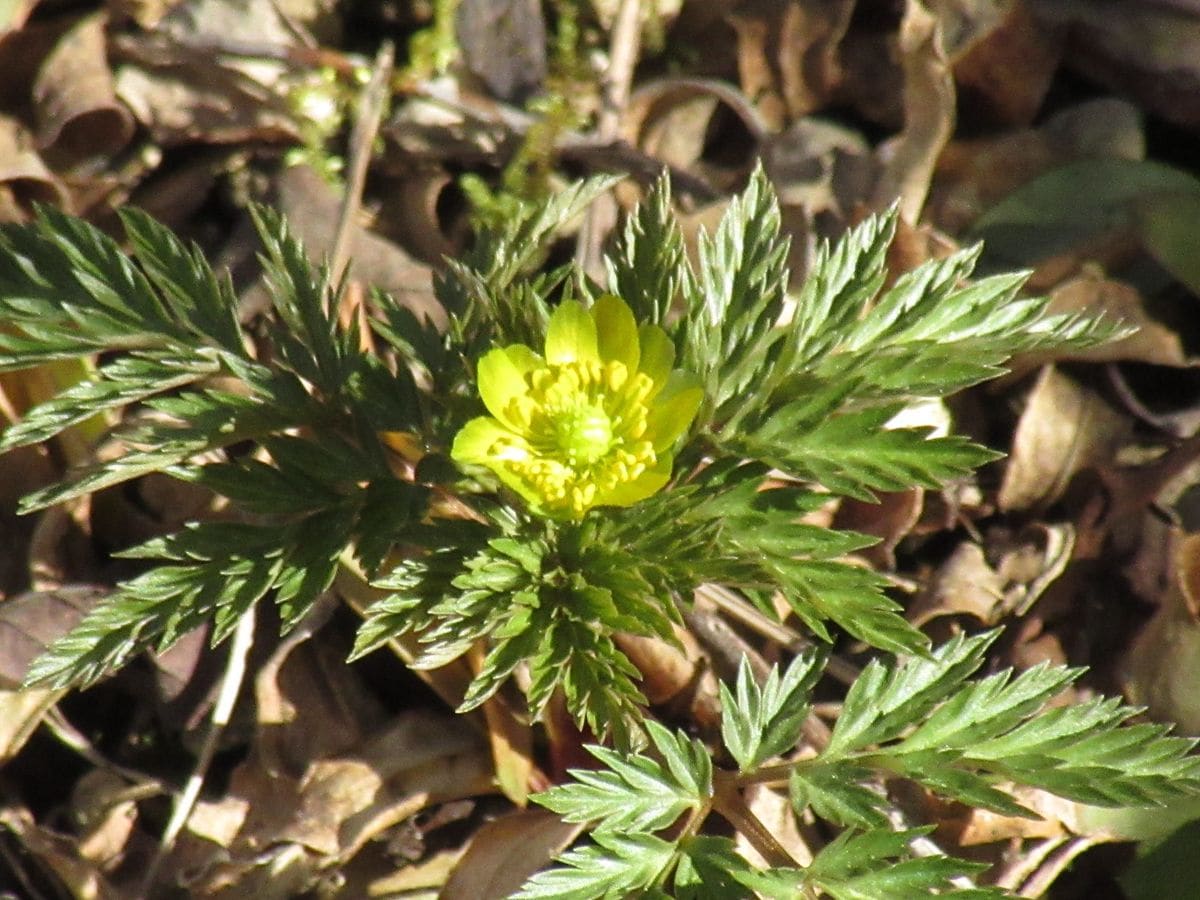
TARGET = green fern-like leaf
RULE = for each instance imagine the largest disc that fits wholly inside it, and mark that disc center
(760, 722)
(615, 866)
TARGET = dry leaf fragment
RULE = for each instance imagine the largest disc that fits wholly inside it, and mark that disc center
(31, 621)
(964, 583)
(79, 117)
(1064, 429)
(311, 206)
(21, 711)
(24, 177)
(657, 108)
(184, 89)
(1094, 294)
(59, 854)
(929, 114)
(102, 804)
(1008, 68)
(503, 43)
(1162, 666)
(1058, 816)
(507, 851)
(275, 829)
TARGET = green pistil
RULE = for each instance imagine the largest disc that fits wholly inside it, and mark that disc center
(584, 434)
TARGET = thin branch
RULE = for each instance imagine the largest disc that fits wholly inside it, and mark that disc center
(362, 140)
(624, 45)
(231, 686)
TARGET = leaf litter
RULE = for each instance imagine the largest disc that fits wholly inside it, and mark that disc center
(1057, 132)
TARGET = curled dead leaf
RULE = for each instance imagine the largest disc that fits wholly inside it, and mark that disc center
(788, 55)
(1065, 428)
(1162, 666)
(79, 117)
(24, 176)
(929, 114)
(670, 119)
(1092, 293)
(59, 854)
(1008, 62)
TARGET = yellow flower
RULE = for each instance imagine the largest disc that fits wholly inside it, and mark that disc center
(593, 422)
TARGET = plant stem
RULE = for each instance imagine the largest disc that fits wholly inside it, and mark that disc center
(729, 802)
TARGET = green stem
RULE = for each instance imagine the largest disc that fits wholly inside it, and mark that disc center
(729, 802)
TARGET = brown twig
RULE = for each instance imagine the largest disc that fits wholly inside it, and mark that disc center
(624, 45)
(362, 139)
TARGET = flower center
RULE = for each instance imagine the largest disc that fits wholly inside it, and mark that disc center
(581, 433)
(584, 434)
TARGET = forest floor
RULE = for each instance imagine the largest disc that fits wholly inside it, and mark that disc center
(1065, 134)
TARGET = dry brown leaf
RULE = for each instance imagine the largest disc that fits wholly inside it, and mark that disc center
(184, 91)
(964, 584)
(774, 810)
(511, 739)
(1034, 561)
(1009, 66)
(677, 135)
(968, 583)
(681, 680)
(324, 817)
(788, 55)
(183, 98)
(59, 854)
(21, 711)
(929, 114)
(311, 206)
(1058, 816)
(505, 852)
(107, 815)
(670, 115)
(1162, 666)
(411, 213)
(31, 621)
(13, 16)
(23, 470)
(430, 874)
(310, 705)
(1092, 293)
(1064, 429)
(78, 115)
(24, 176)
(1147, 50)
(822, 172)
(890, 519)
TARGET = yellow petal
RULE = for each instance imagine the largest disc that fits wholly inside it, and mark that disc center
(673, 410)
(571, 334)
(475, 440)
(500, 380)
(657, 355)
(518, 484)
(627, 493)
(523, 358)
(616, 331)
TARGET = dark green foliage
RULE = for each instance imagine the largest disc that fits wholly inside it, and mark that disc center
(922, 719)
(331, 456)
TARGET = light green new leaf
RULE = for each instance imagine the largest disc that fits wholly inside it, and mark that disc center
(615, 866)
(634, 792)
(760, 722)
